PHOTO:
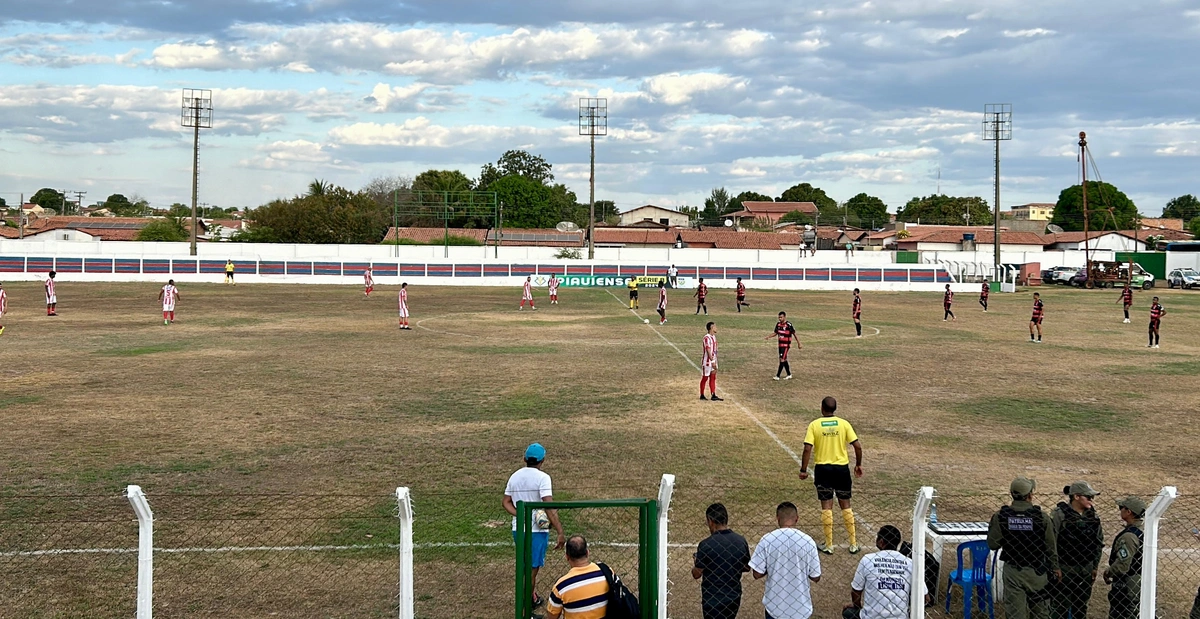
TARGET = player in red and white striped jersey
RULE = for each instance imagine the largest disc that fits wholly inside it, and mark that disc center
(404, 307)
(708, 363)
(3, 307)
(527, 294)
(51, 297)
(368, 283)
(168, 295)
(662, 302)
(552, 287)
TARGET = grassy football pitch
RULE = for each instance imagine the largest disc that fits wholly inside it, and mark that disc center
(312, 390)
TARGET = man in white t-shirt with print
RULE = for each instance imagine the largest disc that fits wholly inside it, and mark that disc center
(532, 485)
(883, 581)
(788, 559)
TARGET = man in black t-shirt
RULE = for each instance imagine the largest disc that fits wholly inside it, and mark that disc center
(721, 559)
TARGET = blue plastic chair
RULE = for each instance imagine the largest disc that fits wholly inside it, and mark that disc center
(971, 578)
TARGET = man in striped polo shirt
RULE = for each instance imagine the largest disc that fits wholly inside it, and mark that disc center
(582, 593)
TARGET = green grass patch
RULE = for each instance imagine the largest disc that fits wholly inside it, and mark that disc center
(138, 351)
(1178, 368)
(17, 400)
(119, 476)
(1045, 415)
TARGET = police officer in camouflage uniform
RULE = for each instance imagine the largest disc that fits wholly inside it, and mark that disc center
(1029, 549)
(1080, 544)
(1124, 571)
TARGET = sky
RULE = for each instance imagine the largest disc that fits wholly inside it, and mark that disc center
(875, 97)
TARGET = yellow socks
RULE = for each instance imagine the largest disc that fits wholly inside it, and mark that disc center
(827, 524)
(851, 530)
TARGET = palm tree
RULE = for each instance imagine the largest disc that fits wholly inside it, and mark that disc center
(319, 187)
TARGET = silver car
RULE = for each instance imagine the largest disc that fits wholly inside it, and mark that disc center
(1183, 278)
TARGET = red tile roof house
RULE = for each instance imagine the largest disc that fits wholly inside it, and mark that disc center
(80, 228)
(525, 237)
(772, 211)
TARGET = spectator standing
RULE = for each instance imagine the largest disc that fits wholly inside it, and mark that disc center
(582, 593)
(531, 484)
(1025, 539)
(673, 275)
(720, 561)
(788, 559)
(1080, 543)
(883, 581)
(825, 445)
(1124, 570)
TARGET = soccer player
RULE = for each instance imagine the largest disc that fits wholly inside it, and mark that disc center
(784, 332)
(983, 294)
(825, 444)
(633, 295)
(527, 293)
(552, 285)
(1126, 300)
(229, 269)
(662, 303)
(404, 307)
(1157, 311)
(700, 294)
(168, 295)
(856, 312)
(3, 307)
(1036, 320)
(368, 283)
(741, 295)
(51, 298)
(708, 363)
(947, 301)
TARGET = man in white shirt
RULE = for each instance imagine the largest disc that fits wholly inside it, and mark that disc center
(883, 581)
(673, 275)
(788, 559)
(532, 485)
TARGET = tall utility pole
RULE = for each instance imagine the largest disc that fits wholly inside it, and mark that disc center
(197, 113)
(79, 201)
(997, 127)
(593, 121)
(1087, 256)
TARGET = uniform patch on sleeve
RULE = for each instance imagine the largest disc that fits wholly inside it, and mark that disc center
(1124, 553)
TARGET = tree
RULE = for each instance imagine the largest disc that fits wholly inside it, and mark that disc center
(383, 189)
(179, 209)
(1068, 211)
(441, 180)
(693, 212)
(121, 206)
(946, 210)
(1195, 227)
(515, 162)
(563, 201)
(170, 229)
(748, 196)
(1185, 207)
(527, 203)
(805, 192)
(336, 216)
(318, 187)
(869, 209)
(49, 199)
(799, 217)
(716, 205)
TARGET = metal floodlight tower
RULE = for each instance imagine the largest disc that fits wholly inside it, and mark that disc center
(997, 127)
(197, 113)
(593, 121)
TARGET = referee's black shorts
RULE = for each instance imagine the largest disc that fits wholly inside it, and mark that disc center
(632, 294)
(832, 480)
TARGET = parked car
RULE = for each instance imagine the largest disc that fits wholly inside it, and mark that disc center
(1141, 277)
(1183, 278)
(1059, 275)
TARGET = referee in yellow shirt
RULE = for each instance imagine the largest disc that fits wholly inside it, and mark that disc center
(633, 300)
(828, 438)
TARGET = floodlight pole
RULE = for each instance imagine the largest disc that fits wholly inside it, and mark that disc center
(592, 202)
(197, 114)
(195, 170)
(997, 126)
(593, 121)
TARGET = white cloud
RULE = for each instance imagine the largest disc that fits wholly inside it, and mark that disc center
(934, 35)
(1028, 33)
(694, 170)
(677, 89)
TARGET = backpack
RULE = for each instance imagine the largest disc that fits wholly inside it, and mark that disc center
(622, 604)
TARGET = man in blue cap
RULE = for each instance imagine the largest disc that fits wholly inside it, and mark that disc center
(532, 485)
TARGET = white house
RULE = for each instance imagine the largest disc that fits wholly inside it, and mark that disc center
(656, 214)
(1109, 240)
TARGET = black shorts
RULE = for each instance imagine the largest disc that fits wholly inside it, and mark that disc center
(1154, 324)
(1037, 320)
(783, 352)
(831, 480)
(741, 297)
(632, 294)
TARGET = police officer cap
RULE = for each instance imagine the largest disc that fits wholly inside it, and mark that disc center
(1081, 487)
(1021, 486)
(1133, 504)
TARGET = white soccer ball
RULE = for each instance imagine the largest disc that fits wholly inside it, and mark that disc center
(646, 320)
(540, 519)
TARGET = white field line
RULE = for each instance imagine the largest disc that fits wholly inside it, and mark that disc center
(421, 325)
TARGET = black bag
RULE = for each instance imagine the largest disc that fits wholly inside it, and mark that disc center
(622, 604)
(932, 568)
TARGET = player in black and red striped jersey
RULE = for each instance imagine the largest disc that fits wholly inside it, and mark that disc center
(741, 295)
(1036, 320)
(1126, 300)
(700, 294)
(983, 294)
(1157, 311)
(785, 333)
(947, 301)
(856, 312)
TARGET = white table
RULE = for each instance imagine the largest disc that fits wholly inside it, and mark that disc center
(956, 533)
